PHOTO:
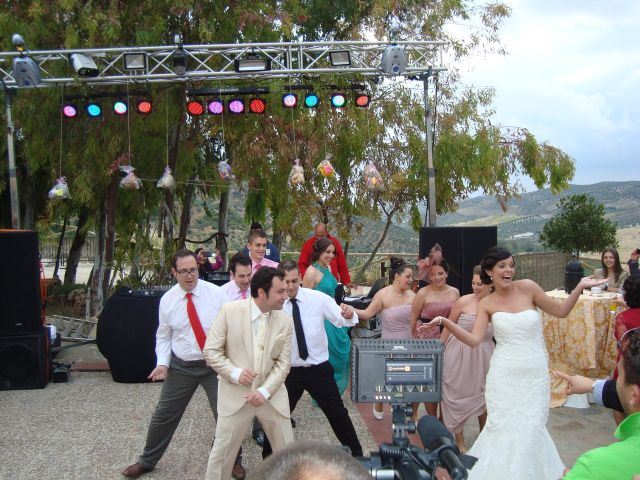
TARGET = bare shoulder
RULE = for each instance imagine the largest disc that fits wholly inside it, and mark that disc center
(528, 286)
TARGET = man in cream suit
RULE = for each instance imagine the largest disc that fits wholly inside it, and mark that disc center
(249, 346)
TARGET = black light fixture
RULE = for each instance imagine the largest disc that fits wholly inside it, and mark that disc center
(135, 61)
(340, 58)
(179, 56)
(252, 63)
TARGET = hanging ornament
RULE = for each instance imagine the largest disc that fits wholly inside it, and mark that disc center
(130, 181)
(296, 176)
(166, 180)
(372, 178)
(325, 167)
(60, 191)
(224, 170)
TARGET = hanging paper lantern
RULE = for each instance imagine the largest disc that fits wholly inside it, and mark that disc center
(225, 172)
(60, 191)
(296, 176)
(166, 181)
(131, 180)
(372, 178)
(325, 167)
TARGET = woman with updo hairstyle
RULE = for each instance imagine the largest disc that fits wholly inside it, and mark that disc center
(611, 270)
(392, 304)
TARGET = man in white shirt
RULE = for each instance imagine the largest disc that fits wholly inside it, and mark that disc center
(238, 287)
(310, 367)
(186, 313)
(257, 245)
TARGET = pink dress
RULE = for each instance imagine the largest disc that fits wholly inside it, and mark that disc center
(430, 311)
(396, 322)
(464, 376)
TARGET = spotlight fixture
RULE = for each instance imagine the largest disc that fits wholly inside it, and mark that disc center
(135, 61)
(215, 106)
(257, 105)
(120, 107)
(311, 100)
(26, 71)
(93, 109)
(195, 108)
(144, 106)
(289, 100)
(179, 56)
(363, 100)
(252, 63)
(393, 61)
(338, 100)
(84, 65)
(236, 106)
(340, 58)
(69, 111)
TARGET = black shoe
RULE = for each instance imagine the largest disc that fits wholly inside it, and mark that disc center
(293, 423)
(258, 436)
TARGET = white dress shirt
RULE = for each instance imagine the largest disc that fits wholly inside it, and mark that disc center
(315, 307)
(174, 329)
(233, 292)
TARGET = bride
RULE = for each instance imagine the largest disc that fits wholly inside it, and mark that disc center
(515, 442)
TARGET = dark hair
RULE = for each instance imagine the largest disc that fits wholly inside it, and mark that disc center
(491, 257)
(182, 253)
(254, 234)
(304, 459)
(631, 358)
(288, 265)
(617, 267)
(239, 259)
(443, 263)
(319, 246)
(263, 279)
(398, 266)
(198, 250)
(255, 226)
(631, 289)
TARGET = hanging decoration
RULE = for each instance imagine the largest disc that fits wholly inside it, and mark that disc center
(296, 176)
(372, 178)
(225, 172)
(166, 181)
(60, 191)
(325, 167)
(131, 180)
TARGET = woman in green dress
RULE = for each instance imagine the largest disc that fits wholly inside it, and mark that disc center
(319, 277)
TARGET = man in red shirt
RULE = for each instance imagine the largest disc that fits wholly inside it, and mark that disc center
(339, 266)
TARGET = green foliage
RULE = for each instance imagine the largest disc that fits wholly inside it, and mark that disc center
(579, 227)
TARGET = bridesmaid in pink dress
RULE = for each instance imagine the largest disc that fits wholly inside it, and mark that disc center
(465, 367)
(436, 299)
(392, 304)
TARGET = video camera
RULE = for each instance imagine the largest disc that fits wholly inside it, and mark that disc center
(400, 372)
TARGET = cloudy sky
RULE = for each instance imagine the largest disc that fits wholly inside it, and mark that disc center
(572, 77)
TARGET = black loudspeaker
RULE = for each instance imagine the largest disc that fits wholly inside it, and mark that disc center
(20, 299)
(462, 247)
(126, 335)
(24, 361)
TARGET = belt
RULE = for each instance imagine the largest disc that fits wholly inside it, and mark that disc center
(308, 365)
(188, 363)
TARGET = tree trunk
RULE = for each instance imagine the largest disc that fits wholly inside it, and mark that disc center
(169, 195)
(223, 222)
(75, 251)
(360, 275)
(185, 215)
(59, 251)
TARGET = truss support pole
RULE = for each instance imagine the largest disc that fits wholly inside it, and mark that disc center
(431, 220)
(13, 180)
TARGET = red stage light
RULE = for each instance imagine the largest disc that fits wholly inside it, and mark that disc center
(195, 108)
(144, 107)
(362, 100)
(257, 105)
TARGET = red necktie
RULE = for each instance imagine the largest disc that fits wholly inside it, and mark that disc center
(196, 326)
(244, 294)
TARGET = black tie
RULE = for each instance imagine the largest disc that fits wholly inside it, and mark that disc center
(297, 324)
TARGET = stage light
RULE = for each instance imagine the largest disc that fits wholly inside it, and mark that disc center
(289, 100)
(26, 71)
(257, 105)
(144, 106)
(394, 61)
(120, 107)
(84, 65)
(362, 100)
(195, 108)
(338, 100)
(93, 109)
(252, 63)
(236, 106)
(215, 106)
(69, 111)
(135, 61)
(311, 100)
(340, 58)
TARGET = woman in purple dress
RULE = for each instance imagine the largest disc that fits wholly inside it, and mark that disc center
(392, 304)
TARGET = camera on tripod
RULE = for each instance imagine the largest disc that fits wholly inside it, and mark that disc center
(402, 372)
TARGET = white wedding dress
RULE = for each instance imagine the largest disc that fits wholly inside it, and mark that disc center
(515, 443)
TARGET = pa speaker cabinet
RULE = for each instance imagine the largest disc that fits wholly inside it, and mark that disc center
(24, 361)
(462, 247)
(20, 299)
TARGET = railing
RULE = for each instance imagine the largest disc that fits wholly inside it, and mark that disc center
(49, 249)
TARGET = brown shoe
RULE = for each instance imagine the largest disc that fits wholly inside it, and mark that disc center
(135, 470)
(238, 472)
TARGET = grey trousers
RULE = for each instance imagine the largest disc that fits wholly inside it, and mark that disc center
(181, 383)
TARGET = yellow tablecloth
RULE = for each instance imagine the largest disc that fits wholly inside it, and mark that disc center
(582, 343)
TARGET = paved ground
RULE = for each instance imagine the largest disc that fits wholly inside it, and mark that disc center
(92, 427)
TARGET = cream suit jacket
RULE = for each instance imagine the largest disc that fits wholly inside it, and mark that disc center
(229, 345)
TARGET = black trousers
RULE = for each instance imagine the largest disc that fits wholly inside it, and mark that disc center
(319, 382)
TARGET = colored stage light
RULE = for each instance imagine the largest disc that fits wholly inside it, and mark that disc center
(195, 108)
(144, 106)
(311, 100)
(363, 100)
(257, 105)
(215, 106)
(289, 100)
(69, 111)
(338, 100)
(236, 106)
(93, 109)
(120, 107)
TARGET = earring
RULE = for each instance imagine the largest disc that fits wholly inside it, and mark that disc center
(490, 278)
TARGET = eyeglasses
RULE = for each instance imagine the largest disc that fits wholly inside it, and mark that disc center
(187, 271)
(623, 339)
